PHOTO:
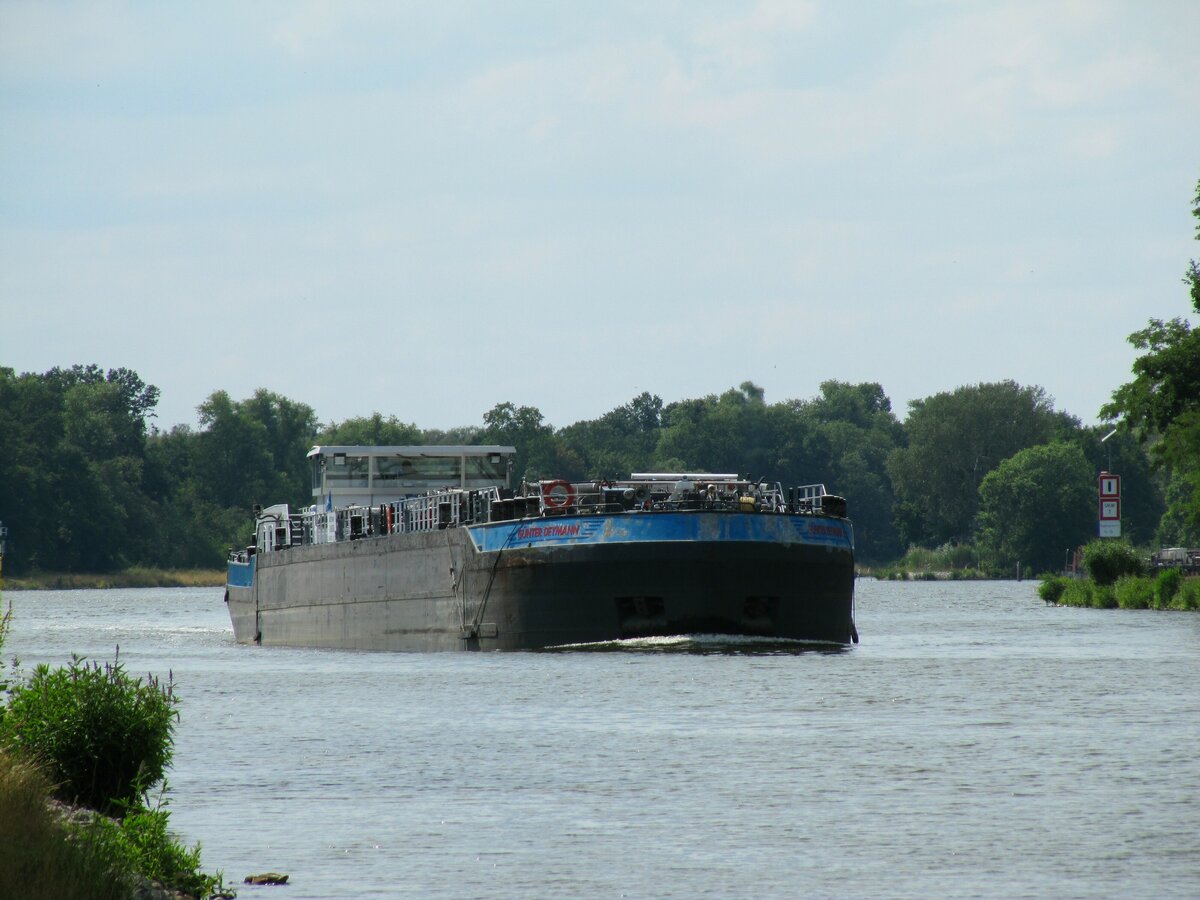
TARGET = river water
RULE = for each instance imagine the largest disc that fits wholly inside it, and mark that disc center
(976, 743)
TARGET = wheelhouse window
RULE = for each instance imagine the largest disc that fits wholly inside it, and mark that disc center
(436, 470)
(393, 468)
(346, 471)
(490, 468)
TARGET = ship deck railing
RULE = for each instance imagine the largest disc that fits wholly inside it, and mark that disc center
(456, 507)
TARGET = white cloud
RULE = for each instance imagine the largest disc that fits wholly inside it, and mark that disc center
(894, 180)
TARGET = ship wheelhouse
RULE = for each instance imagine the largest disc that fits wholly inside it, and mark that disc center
(368, 476)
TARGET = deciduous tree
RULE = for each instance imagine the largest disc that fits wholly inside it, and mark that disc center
(1037, 504)
(1161, 405)
(954, 440)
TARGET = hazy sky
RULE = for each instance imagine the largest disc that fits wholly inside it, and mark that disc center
(425, 209)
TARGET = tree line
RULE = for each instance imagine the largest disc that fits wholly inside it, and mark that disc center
(90, 486)
(87, 484)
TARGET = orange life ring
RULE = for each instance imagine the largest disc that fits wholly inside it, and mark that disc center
(558, 494)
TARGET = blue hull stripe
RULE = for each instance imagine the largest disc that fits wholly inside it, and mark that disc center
(660, 527)
(241, 574)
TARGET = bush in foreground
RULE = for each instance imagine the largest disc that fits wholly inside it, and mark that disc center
(39, 857)
(104, 736)
(141, 843)
(44, 855)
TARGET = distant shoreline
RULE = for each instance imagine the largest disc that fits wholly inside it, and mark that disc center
(135, 577)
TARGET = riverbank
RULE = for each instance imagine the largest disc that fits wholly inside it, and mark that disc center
(1167, 590)
(890, 573)
(133, 577)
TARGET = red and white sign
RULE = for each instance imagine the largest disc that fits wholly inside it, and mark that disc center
(1110, 505)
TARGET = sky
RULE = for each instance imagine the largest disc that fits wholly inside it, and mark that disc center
(426, 209)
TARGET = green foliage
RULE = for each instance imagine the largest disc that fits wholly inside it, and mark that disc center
(1036, 505)
(1178, 527)
(141, 842)
(540, 454)
(73, 443)
(1188, 596)
(254, 448)
(1142, 503)
(5, 623)
(849, 432)
(1052, 588)
(1169, 590)
(1167, 585)
(954, 440)
(41, 858)
(841, 438)
(372, 431)
(619, 442)
(87, 490)
(1106, 560)
(1134, 592)
(104, 736)
(1162, 403)
(91, 857)
(1082, 592)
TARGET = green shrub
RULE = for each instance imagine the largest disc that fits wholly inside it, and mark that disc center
(41, 857)
(1080, 592)
(1052, 588)
(1076, 593)
(141, 843)
(1107, 560)
(1133, 592)
(1188, 596)
(104, 736)
(1166, 586)
(1104, 597)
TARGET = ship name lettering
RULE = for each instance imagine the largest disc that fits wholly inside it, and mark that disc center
(830, 530)
(548, 531)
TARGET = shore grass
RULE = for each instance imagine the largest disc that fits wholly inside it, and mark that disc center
(133, 577)
(1167, 590)
(893, 573)
(960, 562)
(39, 858)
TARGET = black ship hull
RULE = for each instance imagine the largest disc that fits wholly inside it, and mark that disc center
(570, 580)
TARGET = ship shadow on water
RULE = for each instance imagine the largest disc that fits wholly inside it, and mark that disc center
(706, 645)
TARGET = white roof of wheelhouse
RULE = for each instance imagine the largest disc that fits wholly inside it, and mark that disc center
(432, 450)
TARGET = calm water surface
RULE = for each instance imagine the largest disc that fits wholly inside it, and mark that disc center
(976, 743)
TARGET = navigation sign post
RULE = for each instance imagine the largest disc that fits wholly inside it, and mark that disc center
(1110, 505)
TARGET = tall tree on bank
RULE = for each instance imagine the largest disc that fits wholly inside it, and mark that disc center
(735, 432)
(954, 440)
(620, 442)
(850, 432)
(72, 443)
(1036, 506)
(247, 452)
(540, 454)
(255, 450)
(371, 431)
(1161, 406)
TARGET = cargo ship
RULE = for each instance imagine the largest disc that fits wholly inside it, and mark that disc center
(429, 548)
